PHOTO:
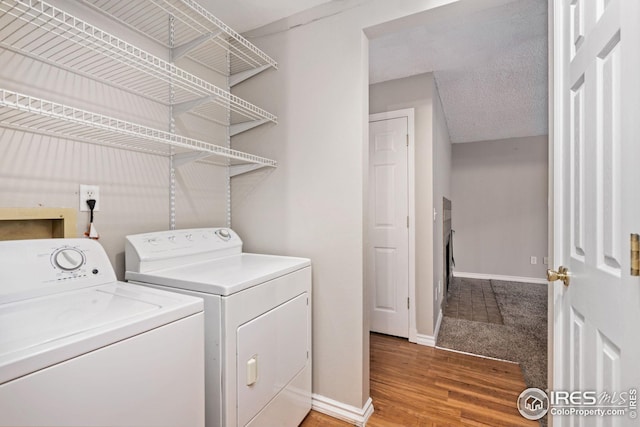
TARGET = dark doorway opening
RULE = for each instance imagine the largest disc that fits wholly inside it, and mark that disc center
(447, 240)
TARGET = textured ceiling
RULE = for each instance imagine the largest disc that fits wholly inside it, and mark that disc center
(490, 67)
(245, 15)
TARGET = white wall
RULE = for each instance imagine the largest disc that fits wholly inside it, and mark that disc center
(432, 181)
(39, 170)
(312, 205)
(499, 209)
(441, 188)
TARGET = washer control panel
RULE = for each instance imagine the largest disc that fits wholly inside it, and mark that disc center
(47, 265)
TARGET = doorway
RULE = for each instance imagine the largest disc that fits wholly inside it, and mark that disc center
(447, 243)
(389, 254)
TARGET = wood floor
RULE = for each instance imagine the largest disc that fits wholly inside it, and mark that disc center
(414, 385)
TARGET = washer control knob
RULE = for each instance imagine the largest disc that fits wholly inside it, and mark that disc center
(189, 237)
(68, 259)
(223, 234)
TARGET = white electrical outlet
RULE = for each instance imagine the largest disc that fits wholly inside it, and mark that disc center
(534, 260)
(89, 192)
(545, 260)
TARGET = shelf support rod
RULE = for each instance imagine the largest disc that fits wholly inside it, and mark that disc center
(238, 78)
(180, 51)
(172, 130)
(245, 126)
(235, 170)
(182, 159)
(187, 106)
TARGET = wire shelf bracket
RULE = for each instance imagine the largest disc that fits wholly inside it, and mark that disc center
(186, 158)
(185, 107)
(182, 50)
(238, 128)
(238, 78)
(235, 170)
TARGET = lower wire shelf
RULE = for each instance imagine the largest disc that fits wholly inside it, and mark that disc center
(28, 113)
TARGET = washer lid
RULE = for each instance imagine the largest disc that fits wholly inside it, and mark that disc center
(40, 332)
(223, 276)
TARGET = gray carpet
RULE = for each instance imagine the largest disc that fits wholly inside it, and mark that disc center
(522, 338)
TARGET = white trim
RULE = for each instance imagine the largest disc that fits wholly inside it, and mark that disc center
(409, 113)
(557, 378)
(342, 411)
(436, 330)
(413, 335)
(430, 340)
(427, 340)
(500, 277)
(477, 355)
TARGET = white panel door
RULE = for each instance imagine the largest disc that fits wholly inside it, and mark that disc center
(386, 260)
(596, 205)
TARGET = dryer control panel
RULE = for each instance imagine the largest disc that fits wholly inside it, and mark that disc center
(164, 249)
(29, 268)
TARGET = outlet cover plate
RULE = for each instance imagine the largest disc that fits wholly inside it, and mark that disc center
(89, 192)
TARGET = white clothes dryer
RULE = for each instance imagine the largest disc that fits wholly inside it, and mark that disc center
(257, 321)
(79, 348)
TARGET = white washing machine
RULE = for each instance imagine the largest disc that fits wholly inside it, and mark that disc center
(79, 348)
(257, 321)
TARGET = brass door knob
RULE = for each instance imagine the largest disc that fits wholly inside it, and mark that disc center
(561, 274)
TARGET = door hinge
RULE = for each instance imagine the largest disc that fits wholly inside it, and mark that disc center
(407, 221)
(408, 307)
(635, 254)
(407, 140)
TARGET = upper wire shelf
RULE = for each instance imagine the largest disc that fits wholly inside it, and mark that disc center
(211, 39)
(24, 112)
(60, 38)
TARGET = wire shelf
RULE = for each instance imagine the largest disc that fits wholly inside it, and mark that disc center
(24, 112)
(192, 22)
(58, 37)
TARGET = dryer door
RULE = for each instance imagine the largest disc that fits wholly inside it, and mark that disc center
(272, 350)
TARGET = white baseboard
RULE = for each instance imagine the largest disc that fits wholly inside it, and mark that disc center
(500, 277)
(430, 340)
(342, 411)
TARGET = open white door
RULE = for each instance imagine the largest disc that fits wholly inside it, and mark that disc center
(596, 137)
(387, 252)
